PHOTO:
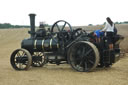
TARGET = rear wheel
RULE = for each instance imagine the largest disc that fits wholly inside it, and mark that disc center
(83, 56)
(21, 59)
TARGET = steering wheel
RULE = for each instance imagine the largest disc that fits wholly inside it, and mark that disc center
(62, 27)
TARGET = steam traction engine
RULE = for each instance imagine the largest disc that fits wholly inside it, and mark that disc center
(62, 44)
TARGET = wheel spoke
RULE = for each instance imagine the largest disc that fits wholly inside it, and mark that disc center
(20, 65)
(18, 54)
(63, 26)
(23, 53)
(15, 62)
(37, 53)
(40, 54)
(85, 66)
(88, 52)
(58, 27)
(81, 62)
(83, 51)
(90, 61)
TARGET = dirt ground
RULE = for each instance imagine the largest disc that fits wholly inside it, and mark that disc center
(52, 74)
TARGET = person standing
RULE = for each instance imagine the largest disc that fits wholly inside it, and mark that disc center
(109, 29)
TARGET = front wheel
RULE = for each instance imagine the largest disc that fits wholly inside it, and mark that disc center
(21, 59)
(39, 59)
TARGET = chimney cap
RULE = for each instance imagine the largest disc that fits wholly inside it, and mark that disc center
(32, 14)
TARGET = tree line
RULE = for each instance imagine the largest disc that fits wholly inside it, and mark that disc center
(125, 22)
(8, 25)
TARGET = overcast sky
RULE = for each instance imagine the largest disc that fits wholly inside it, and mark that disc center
(76, 12)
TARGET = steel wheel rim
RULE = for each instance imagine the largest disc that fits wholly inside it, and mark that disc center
(39, 63)
(21, 59)
(83, 63)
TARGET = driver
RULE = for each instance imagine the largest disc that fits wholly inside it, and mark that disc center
(98, 33)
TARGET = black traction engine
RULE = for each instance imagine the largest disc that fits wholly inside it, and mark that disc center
(62, 44)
